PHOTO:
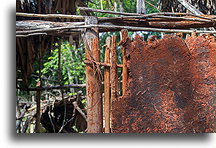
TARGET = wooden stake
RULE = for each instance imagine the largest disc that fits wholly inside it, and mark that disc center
(141, 8)
(113, 70)
(107, 87)
(93, 81)
(38, 93)
(124, 35)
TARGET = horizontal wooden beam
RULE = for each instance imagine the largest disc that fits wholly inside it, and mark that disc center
(127, 15)
(154, 26)
(76, 17)
(53, 87)
(131, 28)
(142, 15)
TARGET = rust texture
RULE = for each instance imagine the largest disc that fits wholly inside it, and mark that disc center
(170, 88)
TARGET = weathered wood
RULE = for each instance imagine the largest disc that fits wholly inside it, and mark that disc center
(129, 28)
(175, 18)
(113, 70)
(157, 20)
(31, 34)
(29, 27)
(76, 17)
(190, 7)
(129, 15)
(39, 24)
(38, 108)
(143, 25)
(93, 80)
(124, 36)
(107, 101)
(136, 14)
(38, 85)
(141, 9)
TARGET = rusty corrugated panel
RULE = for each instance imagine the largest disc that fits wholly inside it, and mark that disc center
(167, 90)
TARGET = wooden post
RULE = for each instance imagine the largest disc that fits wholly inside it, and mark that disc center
(113, 70)
(124, 35)
(141, 9)
(38, 93)
(107, 100)
(93, 81)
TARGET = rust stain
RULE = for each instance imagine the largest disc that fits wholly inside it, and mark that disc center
(170, 88)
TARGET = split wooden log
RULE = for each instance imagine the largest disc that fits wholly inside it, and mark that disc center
(130, 28)
(128, 15)
(124, 36)
(142, 15)
(27, 28)
(75, 17)
(39, 24)
(113, 71)
(93, 79)
(107, 101)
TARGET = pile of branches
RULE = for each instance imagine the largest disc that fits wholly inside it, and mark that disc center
(58, 116)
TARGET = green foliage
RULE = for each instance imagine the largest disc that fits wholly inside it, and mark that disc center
(72, 66)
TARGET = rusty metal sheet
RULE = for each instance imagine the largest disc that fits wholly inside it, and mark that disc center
(170, 88)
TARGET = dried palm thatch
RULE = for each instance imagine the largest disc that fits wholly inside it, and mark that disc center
(204, 6)
(48, 6)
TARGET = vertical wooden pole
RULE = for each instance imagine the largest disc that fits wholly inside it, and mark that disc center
(107, 86)
(38, 93)
(113, 70)
(124, 36)
(141, 9)
(93, 81)
(39, 6)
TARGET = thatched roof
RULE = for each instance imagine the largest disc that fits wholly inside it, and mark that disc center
(204, 6)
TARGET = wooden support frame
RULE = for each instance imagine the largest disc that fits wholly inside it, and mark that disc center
(93, 78)
(107, 101)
